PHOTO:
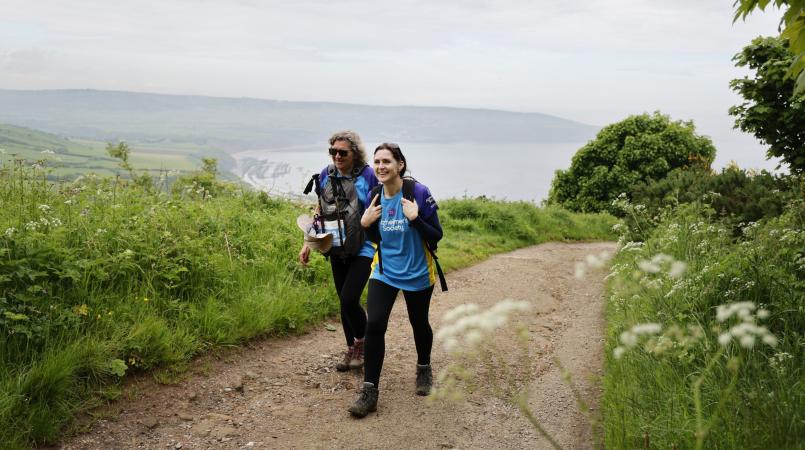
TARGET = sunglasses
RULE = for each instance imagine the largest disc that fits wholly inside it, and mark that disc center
(339, 152)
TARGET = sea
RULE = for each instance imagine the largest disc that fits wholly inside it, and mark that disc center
(510, 171)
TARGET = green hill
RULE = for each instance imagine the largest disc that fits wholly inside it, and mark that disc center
(69, 157)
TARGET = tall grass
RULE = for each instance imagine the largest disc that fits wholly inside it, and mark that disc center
(684, 386)
(101, 277)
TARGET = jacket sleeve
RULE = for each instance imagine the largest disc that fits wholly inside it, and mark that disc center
(430, 229)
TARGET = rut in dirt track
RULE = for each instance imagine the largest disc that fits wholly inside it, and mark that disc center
(284, 393)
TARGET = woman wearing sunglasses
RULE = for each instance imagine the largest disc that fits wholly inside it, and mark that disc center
(405, 225)
(342, 187)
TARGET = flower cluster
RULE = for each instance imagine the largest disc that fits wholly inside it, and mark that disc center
(592, 262)
(469, 325)
(746, 331)
(662, 262)
(630, 338)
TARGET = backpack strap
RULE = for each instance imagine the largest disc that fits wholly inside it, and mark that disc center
(408, 188)
(378, 190)
(408, 193)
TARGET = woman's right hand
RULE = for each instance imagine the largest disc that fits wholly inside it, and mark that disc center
(372, 213)
(304, 255)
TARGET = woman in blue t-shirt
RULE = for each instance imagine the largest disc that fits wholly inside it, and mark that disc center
(350, 272)
(403, 228)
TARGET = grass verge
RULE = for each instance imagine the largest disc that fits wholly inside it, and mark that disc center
(100, 277)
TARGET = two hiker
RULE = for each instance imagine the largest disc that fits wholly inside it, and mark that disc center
(384, 228)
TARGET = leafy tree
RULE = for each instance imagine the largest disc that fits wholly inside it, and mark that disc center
(121, 151)
(793, 32)
(640, 148)
(769, 111)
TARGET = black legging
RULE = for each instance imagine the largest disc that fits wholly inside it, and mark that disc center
(350, 275)
(379, 303)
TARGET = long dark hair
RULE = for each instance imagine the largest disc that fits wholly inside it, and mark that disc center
(396, 153)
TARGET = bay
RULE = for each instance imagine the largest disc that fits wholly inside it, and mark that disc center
(509, 171)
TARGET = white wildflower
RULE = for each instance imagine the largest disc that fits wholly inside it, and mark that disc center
(473, 325)
(724, 312)
(580, 270)
(648, 266)
(632, 246)
(647, 328)
(678, 269)
(458, 311)
(763, 314)
(10, 231)
(44, 208)
(618, 352)
(770, 340)
(473, 337)
(628, 339)
(748, 341)
(724, 338)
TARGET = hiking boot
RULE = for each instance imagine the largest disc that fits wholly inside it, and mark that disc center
(357, 355)
(366, 401)
(343, 365)
(424, 379)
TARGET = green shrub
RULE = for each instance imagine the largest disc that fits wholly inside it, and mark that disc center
(735, 195)
(640, 148)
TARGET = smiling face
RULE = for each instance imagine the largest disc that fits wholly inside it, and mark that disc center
(387, 168)
(343, 161)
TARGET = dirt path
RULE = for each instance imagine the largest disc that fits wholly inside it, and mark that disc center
(283, 393)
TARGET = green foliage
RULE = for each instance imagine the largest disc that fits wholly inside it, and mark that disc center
(640, 148)
(793, 32)
(120, 151)
(104, 276)
(202, 183)
(735, 195)
(477, 228)
(769, 112)
(702, 393)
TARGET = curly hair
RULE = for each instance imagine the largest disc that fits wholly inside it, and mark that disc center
(355, 143)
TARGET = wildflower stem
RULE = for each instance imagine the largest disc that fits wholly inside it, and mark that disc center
(522, 404)
(584, 407)
(701, 429)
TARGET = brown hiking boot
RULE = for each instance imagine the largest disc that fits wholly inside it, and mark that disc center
(343, 365)
(366, 401)
(357, 355)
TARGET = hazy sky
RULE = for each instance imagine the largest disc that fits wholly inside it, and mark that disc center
(595, 61)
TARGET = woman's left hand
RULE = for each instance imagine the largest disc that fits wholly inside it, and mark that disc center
(410, 209)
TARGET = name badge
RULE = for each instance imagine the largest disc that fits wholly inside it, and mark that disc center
(331, 227)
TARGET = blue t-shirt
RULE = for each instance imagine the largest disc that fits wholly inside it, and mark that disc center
(363, 185)
(407, 264)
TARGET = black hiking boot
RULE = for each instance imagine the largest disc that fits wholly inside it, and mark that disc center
(366, 402)
(343, 365)
(424, 379)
